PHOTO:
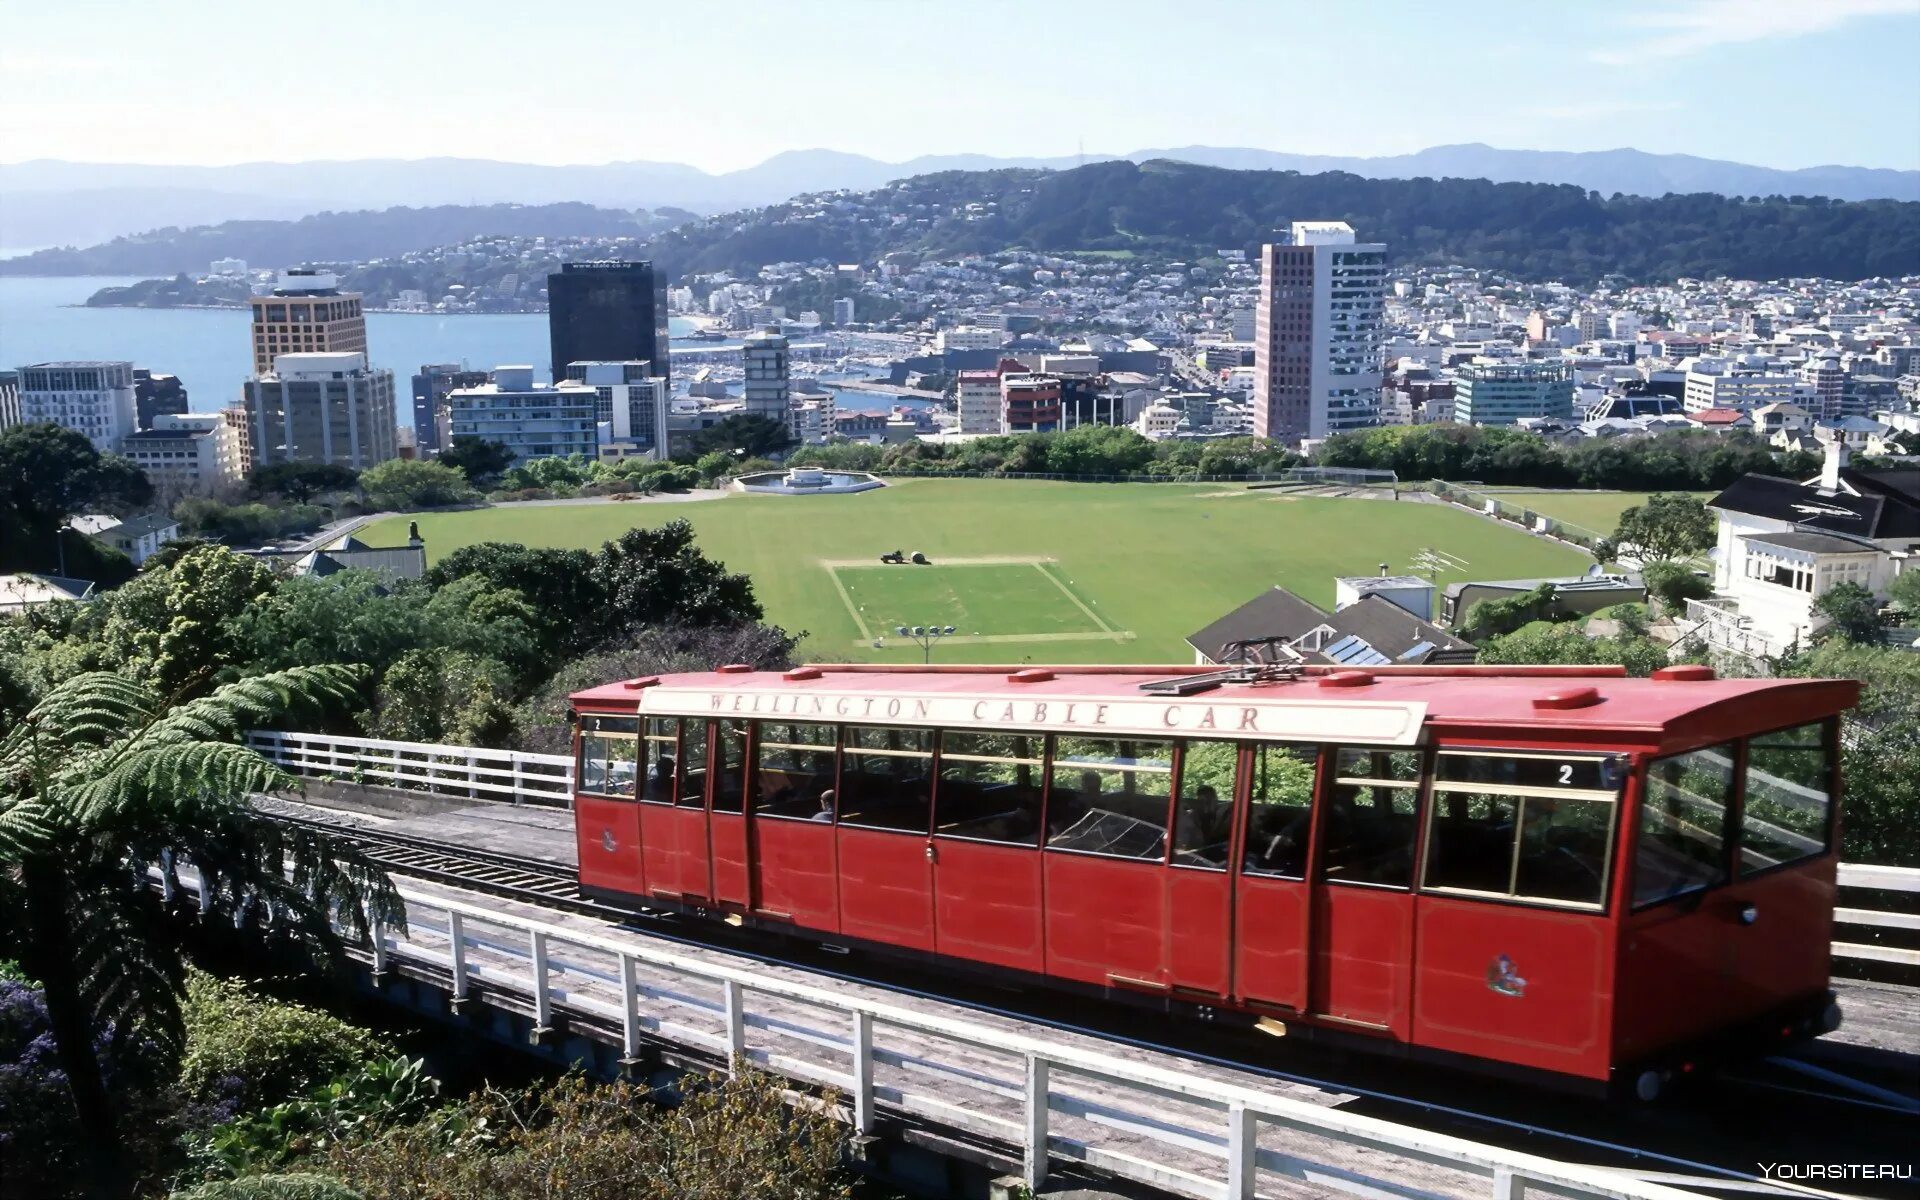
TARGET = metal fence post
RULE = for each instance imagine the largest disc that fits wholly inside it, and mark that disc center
(542, 1001)
(1243, 1146)
(862, 1071)
(378, 931)
(1507, 1185)
(736, 1014)
(457, 942)
(1036, 1121)
(629, 1016)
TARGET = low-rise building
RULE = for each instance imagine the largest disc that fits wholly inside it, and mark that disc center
(194, 452)
(140, 538)
(1496, 393)
(531, 420)
(26, 590)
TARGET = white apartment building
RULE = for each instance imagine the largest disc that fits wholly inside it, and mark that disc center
(767, 382)
(969, 338)
(630, 407)
(322, 408)
(843, 311)
(1826, 382)
(1737, 383)
(91, 398)
(9, 400)
(978, 398)
(813, 418)
(187, 452)
(533, 420)
(1317, 333)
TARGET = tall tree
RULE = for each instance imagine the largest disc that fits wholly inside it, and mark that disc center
(48, 474)
(1668, 527)
(480, 459)
(659, 577)
(105, 780)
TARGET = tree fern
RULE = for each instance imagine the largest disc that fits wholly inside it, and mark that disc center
(103, 780)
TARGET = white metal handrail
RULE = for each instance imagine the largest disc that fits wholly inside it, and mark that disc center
(1243, 1113)
(510, 776)
(1883, 879)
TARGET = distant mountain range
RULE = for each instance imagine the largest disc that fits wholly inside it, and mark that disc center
(338, 237)
(52, 202)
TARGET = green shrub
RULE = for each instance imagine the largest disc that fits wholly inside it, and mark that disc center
(357, 1105)
(274, 1050)
(271, 1187)
(1674, 584)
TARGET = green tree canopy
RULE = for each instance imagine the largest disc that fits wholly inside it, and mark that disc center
(743, 436)
(300, 481)
(479, 459)
(401, 483)
(1668, 527)
(1851, 612)
(49, 474)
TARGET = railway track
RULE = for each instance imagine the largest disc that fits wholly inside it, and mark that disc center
(1489, 1115)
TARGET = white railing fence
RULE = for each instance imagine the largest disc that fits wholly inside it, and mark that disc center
(1880, 879)
(1179, 1132)
(508, 776)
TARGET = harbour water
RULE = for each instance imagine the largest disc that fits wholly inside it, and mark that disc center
(45, 319)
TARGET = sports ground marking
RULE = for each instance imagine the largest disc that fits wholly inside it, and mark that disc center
(1039, 563)
(1077, 601)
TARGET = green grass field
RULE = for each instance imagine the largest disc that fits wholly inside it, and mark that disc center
(1075, 572)
(1598, 511)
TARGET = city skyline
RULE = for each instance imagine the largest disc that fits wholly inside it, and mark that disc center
(1657, 77)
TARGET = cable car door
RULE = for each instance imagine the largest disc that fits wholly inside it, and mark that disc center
(1273, 906)
(727, 820)
(673, 815)
(1362, 933)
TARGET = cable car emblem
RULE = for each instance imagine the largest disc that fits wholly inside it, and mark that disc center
(606, 840)
(1502, 978)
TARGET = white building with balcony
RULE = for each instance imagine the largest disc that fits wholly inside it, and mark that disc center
(1784, 543)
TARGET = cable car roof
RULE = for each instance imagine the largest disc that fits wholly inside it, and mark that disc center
(1376, 705)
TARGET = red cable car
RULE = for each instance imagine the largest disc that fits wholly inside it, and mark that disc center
(1562, 871)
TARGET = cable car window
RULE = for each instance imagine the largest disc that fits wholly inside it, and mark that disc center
(730, 782)
(886, 779)
(1109, 796)
(1683, 825)
(990, 787)
(1784, 816)
(690, 790)
(1505, 825)
(1280, 803)
(661, 749)
(1203, 816)
(793, 778)
(1371, 820)
(609, 752)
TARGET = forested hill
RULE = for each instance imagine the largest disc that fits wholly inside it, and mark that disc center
(338, 237)
(1169, 209)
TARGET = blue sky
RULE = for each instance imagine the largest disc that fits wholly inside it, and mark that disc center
(723, 84)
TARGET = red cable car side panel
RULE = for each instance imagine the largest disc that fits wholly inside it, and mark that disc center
(607, 834)
(886, 887)
(1199, 930)
(1522, 985)
(1106, 920)
(1363, 956)
(1270, 943)
(794, 873)
(988, 903)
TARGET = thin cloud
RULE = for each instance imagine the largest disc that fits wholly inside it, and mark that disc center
(1704, 24)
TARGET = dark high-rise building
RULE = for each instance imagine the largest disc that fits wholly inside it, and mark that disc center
(430, 412)
(156, 394)
(607, 312)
